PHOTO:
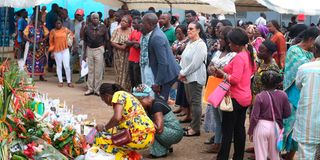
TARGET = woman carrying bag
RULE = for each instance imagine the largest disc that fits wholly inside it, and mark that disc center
(135, 130)
(238, 73)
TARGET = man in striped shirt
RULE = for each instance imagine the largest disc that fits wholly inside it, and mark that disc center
(307, 126)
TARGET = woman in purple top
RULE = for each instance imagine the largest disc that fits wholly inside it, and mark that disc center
(261, 129)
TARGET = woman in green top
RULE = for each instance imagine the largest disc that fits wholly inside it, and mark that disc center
(297, 55)
(168, 128)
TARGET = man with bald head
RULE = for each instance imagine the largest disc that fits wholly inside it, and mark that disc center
(95, 39)
(159, 57)
(167, 28)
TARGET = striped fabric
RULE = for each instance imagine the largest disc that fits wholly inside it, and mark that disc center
(306, 128)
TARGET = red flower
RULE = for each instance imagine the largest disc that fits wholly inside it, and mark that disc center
(29, 151)
(29, 114)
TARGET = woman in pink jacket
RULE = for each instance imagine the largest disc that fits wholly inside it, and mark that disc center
(238, 73)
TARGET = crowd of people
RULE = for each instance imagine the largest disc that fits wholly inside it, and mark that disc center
(160, 62)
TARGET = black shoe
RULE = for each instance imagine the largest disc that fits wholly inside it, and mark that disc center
(81, 80)
(210, 141)
(88, 93)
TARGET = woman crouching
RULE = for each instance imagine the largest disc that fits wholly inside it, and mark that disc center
(128, 115)
(168, 128)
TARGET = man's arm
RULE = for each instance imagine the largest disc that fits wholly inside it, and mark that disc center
(159, 45)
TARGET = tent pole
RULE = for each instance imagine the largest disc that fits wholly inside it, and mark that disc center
(35, 40)
(235, 19)
(4, 31)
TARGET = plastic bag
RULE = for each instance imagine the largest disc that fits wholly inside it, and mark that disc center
(95, 153)
(49, 152)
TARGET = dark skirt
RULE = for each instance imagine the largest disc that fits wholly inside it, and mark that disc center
(181, 99)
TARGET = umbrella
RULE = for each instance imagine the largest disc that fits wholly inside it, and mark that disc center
(25, 4)
(204, 6)
(308, 7)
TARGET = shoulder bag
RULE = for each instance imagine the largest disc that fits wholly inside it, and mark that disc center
(279, 134)
(219, 93)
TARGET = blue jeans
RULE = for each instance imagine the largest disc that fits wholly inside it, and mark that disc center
(217, 115)
(173, 94)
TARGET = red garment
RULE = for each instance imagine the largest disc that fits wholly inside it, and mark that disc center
(134, 54)
(280, 41)
(240, 71)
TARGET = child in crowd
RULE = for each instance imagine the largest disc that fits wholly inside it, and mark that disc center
(270, 105)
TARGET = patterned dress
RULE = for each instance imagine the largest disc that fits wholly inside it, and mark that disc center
(120, 58)
(296, 56)
(136, 120)
(40, 56)
(257, 84)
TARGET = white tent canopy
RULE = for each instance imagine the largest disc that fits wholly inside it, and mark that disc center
(308, 7)
(204, 6)
(22, 3)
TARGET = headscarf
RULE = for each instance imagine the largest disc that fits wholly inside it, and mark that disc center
(263, 30)
(142, 91)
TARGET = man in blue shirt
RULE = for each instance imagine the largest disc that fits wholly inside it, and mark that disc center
(22, 24)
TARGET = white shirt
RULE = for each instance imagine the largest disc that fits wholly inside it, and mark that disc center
(193, 61)
(261, 21)
(114, 25)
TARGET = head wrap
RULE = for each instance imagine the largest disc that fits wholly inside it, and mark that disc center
(142, 90)
(270, 45)
(263, 30)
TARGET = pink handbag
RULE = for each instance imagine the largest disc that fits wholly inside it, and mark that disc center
(218, 94)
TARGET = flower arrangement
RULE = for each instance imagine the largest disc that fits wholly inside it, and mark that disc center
(24, 134)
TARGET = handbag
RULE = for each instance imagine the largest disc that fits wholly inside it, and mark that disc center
(212, 84)
(121, 138)
(218, 94)
(69, 39)
(279, 134)
(226, 104)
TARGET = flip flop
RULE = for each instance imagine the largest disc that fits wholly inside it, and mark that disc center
(181, 115)
(186, 134)
(185, 121)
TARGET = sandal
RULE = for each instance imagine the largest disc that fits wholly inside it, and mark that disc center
(185, 121)
(181, 115)
(60, 85)
(70, 85)
(187, 134)
(186, 128)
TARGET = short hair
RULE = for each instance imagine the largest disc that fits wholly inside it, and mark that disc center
(311, 32)
(317, 43)
(225, 22)
(192, 12)
(183, 29)
(263, 15)
(167, 13)
(151, 18)
(94, 14)
(100, 14)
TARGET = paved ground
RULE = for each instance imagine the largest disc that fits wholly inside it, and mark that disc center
(187, 149)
